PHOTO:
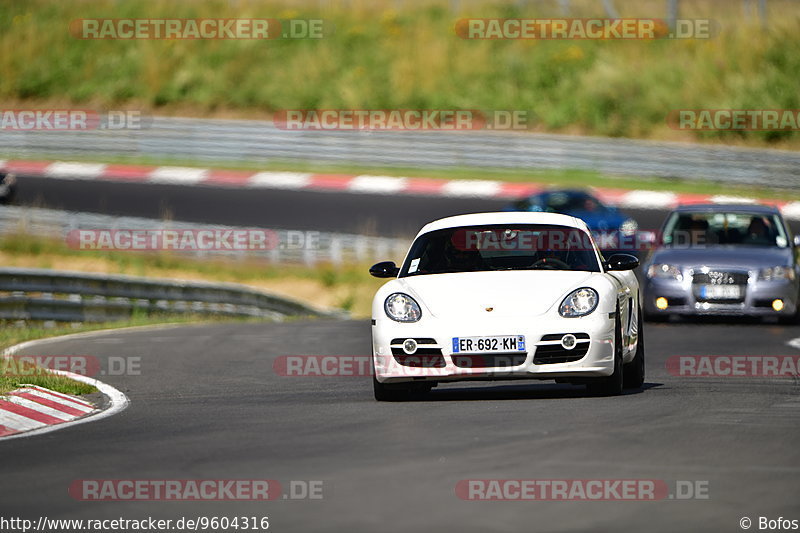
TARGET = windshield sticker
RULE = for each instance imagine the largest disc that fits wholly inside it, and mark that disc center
(413, 266)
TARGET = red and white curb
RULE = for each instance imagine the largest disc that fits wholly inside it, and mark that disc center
(34, 407)
(636, 199)
(32, 410)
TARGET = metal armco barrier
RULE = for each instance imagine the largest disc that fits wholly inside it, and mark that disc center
(38, 294)
(204, 140)
(293, 246)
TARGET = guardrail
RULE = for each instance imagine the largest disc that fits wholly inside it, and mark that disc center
(49, 295)
(261, 142)
(325, 247)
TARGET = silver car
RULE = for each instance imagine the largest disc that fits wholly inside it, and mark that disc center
(724, 260)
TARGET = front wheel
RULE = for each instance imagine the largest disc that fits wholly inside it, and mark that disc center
(792, 319)
(610, 385)
(633, 372)
(394, 392)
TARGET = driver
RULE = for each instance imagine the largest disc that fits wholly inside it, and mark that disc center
(758, 232)
(461, 260)
(551, 258)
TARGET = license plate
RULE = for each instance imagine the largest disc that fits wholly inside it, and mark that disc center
(493, 344)
(721, 292)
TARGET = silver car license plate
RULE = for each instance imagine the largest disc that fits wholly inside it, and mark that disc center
(721, 292)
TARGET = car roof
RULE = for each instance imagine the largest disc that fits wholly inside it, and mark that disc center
(727, 208)
(504, 217)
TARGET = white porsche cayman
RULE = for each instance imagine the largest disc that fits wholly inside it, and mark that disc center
(494, 296)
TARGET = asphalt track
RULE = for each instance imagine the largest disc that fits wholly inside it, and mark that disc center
(378, 214)
(208, 405)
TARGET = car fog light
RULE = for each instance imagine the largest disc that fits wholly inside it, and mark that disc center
(777, 304)
(410, 346)
(568, 341)
(662, 303)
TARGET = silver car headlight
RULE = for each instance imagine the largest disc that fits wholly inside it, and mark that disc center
(579, 302)
(664, 271)
(776, 273)
(402, 308)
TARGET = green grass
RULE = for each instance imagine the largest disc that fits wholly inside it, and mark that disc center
(43, 378)
(346, 286)
(388, 55)
(144, 264)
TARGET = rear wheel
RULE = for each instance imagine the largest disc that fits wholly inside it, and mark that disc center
(610, 385)
(633, 372)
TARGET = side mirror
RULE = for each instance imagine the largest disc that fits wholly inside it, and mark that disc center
(622, 262)
(797, 241)
(384, 269)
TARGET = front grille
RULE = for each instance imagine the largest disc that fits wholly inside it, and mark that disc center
(558, 336)
(719, 278)
(422, 358)
(424, 340)
(495, 360)
(548, 354)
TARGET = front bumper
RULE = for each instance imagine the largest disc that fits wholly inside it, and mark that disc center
(757, 301)
(436, 360)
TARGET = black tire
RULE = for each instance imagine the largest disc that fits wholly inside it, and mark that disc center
(610, 385)
(394, 392)
(655, 317)
(633, 372)
(792, 319)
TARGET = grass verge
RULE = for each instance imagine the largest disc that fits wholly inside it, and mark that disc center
(347, 287)
(384, 54)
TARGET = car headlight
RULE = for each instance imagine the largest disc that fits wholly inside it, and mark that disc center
(629, 226)
(664, 271)
(776, 273)
(579, 302)
(402, 308)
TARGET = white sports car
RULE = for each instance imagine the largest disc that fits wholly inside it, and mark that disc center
(494, 296)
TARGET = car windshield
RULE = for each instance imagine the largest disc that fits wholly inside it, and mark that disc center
(689, 229)
(559, 202)
(501, 247)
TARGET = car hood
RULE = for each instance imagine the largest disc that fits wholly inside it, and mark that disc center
(735, 257)
(509, 293)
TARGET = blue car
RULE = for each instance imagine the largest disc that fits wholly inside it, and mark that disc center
(579, 204)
